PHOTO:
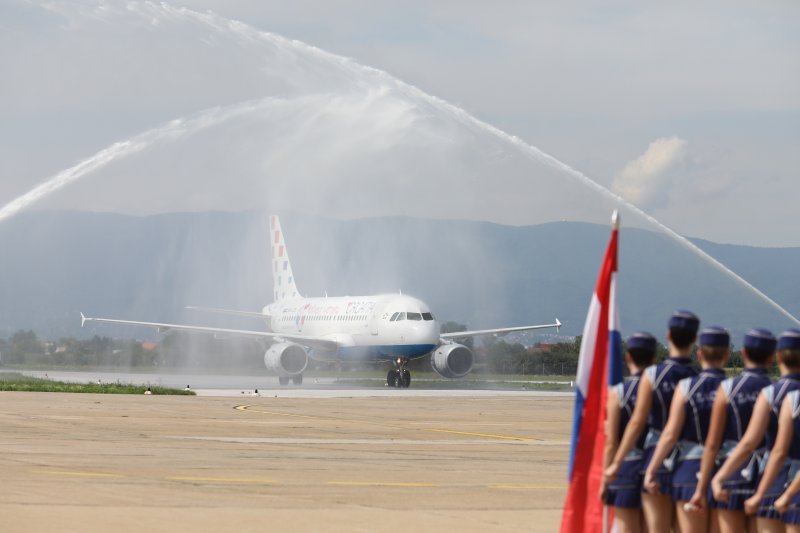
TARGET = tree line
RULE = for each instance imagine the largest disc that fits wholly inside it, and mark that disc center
(177, 349)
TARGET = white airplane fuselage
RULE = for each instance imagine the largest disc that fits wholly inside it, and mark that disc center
(375, 328)
(386, 327)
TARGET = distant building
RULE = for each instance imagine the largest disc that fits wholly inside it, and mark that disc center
(148, 346)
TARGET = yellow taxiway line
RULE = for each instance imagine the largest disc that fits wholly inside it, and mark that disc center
(257, 481)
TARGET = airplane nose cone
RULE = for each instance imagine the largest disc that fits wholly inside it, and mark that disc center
(426, 332)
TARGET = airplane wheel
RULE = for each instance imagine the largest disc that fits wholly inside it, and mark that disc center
(283, 381)
(406, 379)
(390, 377)
(298, 379)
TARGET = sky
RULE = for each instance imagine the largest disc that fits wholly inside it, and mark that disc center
(691, 111)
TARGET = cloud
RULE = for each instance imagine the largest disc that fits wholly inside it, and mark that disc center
(644, 180)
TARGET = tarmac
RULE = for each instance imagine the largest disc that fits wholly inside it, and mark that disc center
(285, 460)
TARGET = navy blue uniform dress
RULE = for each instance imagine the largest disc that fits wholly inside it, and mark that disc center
(699, 393)
(626, 489)
(792, 515)
(664, 377)
(775, 394)
(742, 392)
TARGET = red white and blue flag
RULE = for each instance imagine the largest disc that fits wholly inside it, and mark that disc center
(599, 365)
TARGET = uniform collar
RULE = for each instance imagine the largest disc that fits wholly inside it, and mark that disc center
(680, 360)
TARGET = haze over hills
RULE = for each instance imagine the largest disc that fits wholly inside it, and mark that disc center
(58, 263)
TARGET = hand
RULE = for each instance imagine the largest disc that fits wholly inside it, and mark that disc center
(698, 500)
(651, 484)
(610, 473)
(603, 491)
(782, 504)
(720, 494)
(751, 504)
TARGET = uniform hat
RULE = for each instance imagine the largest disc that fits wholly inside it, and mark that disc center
(684, 320)
(760, 339)
(789, 340)
(642, 340)
(715, 336)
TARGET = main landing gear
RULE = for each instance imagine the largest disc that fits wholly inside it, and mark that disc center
(298, 380)
(399, 377)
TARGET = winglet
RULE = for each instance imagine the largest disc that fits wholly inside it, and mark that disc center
(558, 324)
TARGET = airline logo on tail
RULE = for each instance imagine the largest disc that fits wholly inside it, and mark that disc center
(282, 276)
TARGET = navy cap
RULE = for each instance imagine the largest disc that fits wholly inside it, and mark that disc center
(684, 320)
(789, 340)
(715, 336)
(642, 340)
(759, 339)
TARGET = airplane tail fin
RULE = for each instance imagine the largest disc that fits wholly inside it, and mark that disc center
(282, 277)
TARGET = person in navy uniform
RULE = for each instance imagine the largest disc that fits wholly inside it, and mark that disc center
(784, 458)
(653, 401)
(730, 415)
(763, 427)
(788, 503)
(625, 492)
(687, 427)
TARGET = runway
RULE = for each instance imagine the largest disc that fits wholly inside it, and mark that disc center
(453, 460)
(267, 386)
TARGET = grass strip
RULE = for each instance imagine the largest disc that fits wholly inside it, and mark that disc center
(13, 381)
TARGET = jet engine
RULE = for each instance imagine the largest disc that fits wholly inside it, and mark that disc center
(452, 360)
(286, 359)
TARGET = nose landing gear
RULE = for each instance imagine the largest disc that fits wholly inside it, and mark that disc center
(399, 377)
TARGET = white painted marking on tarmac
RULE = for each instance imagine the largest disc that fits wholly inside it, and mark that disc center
(222, 480)
(78, 474)
(384, 393)
(380, 484)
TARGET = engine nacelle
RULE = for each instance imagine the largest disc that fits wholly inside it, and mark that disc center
(452, 360)
(286, 359)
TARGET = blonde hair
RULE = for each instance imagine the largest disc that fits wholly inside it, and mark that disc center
(714, 354)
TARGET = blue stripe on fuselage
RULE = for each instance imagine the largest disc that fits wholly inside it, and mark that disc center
(384, 352)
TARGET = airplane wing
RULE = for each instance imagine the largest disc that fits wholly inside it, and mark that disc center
(311, 342)
(233, 312)
(497, 331)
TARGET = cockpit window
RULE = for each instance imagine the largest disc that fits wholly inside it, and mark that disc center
(427, 316)
(394, 317)
(414, 316)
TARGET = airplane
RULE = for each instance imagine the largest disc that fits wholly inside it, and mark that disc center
(381, 328)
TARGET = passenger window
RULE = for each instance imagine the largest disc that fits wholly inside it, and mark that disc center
(414, 316)
(427, 316)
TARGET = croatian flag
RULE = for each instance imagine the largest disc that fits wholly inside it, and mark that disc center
(599, 365)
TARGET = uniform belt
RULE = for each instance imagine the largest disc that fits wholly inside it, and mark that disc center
(689, 450)
(725, 450)
(634, 455)
(651, 439)
(794, 468)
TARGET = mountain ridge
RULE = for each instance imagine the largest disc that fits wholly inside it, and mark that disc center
(57, 263)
